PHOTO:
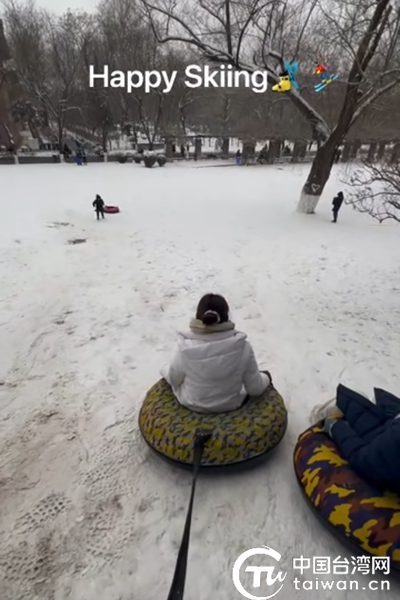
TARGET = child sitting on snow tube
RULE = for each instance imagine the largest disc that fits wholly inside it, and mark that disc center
(214, 369)
(368, 435)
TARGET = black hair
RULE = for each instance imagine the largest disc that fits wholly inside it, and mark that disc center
(212, 309)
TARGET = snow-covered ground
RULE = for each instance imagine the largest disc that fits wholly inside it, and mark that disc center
(87, 512)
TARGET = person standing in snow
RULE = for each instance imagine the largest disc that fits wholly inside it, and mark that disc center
(336, 204)
(99, 206)
(214, 369)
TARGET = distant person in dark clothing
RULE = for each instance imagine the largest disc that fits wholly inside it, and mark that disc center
(84, 157)
(336, 204)
(183, 151)
(78, 158)
(99, 207)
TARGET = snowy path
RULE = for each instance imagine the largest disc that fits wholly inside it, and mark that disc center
(87, 513)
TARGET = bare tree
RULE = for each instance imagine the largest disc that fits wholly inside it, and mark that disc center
(101, 111)
(186, 99)
(68, 39)
(263, 33)
(25, 29)
(375, 190)
(25, 113)
(131, 46)
(47, 53)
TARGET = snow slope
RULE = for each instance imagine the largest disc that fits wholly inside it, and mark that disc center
(87, 512)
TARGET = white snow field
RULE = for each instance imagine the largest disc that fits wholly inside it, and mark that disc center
(87, 511)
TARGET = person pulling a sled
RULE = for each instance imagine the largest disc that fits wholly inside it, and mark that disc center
(99, 205)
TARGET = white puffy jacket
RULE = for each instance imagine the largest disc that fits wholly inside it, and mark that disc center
(214, 372)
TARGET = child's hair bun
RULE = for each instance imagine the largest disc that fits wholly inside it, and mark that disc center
(211, 317)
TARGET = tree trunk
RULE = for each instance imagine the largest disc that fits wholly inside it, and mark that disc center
(197, 148)
(182, 118)
(318, 176)
(372, 152)
(60, 136)
(33, 129)
(296, 152)
(104, 138)
(225, 146)
(303, 149)
(299, 151)
(395, 156)
(346, 152)
(249, 151)
(274, 151)
(381, 150)
(168, 148)
(355, 148)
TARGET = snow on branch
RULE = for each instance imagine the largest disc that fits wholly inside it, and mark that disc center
(375, 93)
(375, 190)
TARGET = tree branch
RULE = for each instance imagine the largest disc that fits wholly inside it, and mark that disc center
(364, 56)
(372, 98)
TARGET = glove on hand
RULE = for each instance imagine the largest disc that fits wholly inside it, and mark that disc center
(269, 375)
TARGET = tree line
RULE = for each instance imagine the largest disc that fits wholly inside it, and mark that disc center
(358, 40)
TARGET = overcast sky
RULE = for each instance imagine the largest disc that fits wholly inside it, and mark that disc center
(61, 6)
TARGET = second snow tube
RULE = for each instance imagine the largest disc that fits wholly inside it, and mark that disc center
(110, 210)
(359, 513)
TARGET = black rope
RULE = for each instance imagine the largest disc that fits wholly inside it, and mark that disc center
(178, 582)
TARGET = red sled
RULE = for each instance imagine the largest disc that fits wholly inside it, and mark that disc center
(111, 210)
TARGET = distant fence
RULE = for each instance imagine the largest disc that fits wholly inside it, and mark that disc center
(32, 159)
(55, 158)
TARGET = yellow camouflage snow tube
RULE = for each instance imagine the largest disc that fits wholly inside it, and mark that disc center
(357, 511)
(237, 437)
